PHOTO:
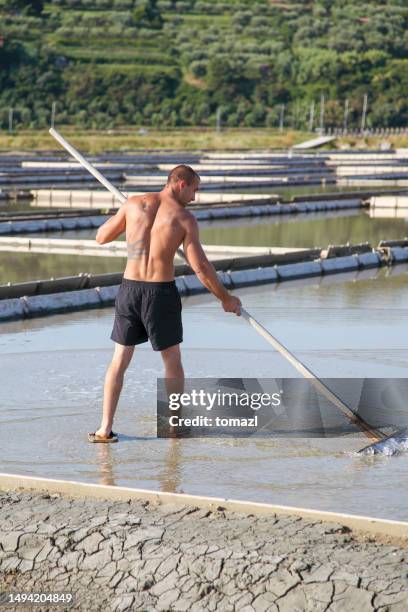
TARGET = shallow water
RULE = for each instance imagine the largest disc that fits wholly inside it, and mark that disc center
(306, 230)
(20, 267)
(288, 192)
(348, 326)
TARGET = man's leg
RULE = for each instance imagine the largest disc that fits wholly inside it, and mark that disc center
(113, 385)
(174, 378)
(174, 372)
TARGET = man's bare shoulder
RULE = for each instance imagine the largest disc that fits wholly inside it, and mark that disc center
(188, 220)
(143, 201)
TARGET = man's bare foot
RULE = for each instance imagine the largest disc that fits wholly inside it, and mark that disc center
(103, 432)
(102, 438)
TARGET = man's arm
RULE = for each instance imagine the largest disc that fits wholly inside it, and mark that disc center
(113, 227)
(205, 270)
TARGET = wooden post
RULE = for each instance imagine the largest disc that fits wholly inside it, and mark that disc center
(53, 111)
(10, 121)
(322, 113)
(218, 120)
(346, 113)
(363, 116)
(311, 116)
(281, 117)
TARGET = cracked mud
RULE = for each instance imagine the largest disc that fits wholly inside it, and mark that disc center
(141, 556)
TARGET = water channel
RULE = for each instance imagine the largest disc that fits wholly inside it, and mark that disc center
(303, 230)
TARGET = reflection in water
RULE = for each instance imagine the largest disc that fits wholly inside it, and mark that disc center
(306, 230)
(105, 465)
(290, 191)
(19, 267)
(170, 475)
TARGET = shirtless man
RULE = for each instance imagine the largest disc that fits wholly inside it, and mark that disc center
(148, 305)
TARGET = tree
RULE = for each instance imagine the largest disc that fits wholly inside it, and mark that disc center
(148, 15)
(27, 7)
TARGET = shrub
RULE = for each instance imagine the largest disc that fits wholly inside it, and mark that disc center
(242, 18)
(199, 69)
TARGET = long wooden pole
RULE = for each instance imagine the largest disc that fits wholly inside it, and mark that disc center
(370, 432)
(374, 434)
(85, 163)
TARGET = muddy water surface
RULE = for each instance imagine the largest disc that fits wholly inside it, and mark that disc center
(350, 326)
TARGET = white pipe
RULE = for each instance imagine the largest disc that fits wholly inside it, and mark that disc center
(99, 177)
(85, 163)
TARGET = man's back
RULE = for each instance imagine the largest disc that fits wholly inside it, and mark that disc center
(155, 225)
(148, 304)
(155, 228)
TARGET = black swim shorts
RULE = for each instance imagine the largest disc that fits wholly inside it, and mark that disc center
(148, 310)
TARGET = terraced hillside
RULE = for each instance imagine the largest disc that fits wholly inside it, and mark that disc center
(170, 63)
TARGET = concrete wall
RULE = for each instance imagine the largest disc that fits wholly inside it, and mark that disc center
(364, 524)
(389, 201)
(99, 199)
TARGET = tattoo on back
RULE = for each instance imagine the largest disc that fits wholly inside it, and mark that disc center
(136, 249)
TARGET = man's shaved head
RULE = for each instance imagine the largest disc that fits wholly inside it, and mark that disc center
(183, 173)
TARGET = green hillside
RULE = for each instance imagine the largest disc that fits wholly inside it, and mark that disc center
(172, 63)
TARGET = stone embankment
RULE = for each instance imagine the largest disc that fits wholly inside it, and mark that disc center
(141, 556)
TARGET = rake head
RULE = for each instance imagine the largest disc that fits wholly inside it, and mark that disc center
(391, 445)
